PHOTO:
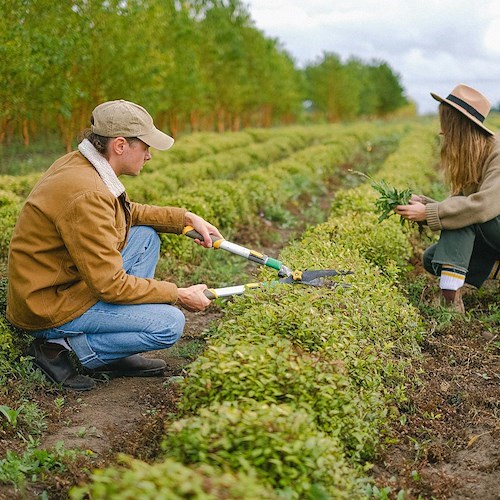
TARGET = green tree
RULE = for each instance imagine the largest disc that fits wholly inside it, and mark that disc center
(271, 89)
(386, 87)
(36, 43)
(331, 89)
(343, 91)
(182, 89)
(223, 56)
(196, 62)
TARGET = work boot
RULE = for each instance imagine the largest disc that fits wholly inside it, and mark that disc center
(132, 366)
(453, 300)
(55, 362)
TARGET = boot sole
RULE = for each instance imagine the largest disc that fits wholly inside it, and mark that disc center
(62, 384)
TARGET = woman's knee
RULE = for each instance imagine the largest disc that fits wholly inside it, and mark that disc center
(427, 260)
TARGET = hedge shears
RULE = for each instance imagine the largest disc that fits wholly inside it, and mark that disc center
(321, 278)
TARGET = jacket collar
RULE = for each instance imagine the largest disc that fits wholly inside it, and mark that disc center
(102, 166)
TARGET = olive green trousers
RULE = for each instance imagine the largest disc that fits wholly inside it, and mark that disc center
(474, 249)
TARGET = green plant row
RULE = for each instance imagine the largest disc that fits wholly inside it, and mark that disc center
(193, 147)
(232, 204)
(250, 191)
(173, 481)
(299, 384)
(166, 175)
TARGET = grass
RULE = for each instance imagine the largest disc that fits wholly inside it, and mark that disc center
(190, 349)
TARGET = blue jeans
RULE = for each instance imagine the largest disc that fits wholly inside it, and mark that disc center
(107, 332)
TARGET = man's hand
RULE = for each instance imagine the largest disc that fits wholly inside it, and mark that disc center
(193, 298)
(415, 211)
(203, 227)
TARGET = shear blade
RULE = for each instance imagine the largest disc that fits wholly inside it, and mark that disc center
(308, 276)
(315, 278)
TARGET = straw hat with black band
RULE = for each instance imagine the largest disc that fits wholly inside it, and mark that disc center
(469, 102)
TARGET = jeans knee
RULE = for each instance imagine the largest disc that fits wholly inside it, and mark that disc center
(170, 332)
(146, 234)
(152, 237)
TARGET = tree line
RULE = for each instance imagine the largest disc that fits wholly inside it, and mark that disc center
(195, 64)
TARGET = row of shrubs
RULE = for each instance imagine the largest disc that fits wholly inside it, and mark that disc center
(246, 174)
(196, 159)
(235, 203)
(298, 385)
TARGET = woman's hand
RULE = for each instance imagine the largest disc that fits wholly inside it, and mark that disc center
(414, 211)
(203, 227)
(416, 197)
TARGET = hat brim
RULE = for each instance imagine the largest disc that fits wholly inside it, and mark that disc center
(157, 139)
(463, 111)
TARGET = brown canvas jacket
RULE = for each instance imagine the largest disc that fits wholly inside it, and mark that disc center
(65, 256)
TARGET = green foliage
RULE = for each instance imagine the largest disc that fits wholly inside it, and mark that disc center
(389, 198)
(338, 356)
(190, 349)
(222, 72)
(10, 415)
(274, 372)
(342, 91)
(8, 347)
(282, 445)
(33, 463)
(169, 479)
(295, 387)
(8, 218)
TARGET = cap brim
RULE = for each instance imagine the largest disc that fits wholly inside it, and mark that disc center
(458, 108)
(157, 139)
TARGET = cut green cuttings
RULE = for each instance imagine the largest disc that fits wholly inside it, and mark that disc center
(389, 198)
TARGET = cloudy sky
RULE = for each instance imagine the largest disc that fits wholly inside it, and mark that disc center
(432, 44)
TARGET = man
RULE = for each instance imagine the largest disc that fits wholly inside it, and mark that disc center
(82, 257)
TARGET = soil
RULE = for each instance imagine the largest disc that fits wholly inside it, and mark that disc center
(445, 446)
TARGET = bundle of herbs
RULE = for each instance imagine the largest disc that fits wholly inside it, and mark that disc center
(389, 198)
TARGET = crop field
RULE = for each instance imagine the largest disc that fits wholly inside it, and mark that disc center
(362, 391)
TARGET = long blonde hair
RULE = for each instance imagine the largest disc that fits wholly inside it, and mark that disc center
(464, 150)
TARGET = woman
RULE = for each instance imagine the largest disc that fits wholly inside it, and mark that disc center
(468, 249)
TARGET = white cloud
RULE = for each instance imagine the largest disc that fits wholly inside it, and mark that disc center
(431, 44)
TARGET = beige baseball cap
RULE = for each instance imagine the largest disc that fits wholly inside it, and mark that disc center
(122, 118)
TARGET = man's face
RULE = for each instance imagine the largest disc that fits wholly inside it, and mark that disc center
(135, 156)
